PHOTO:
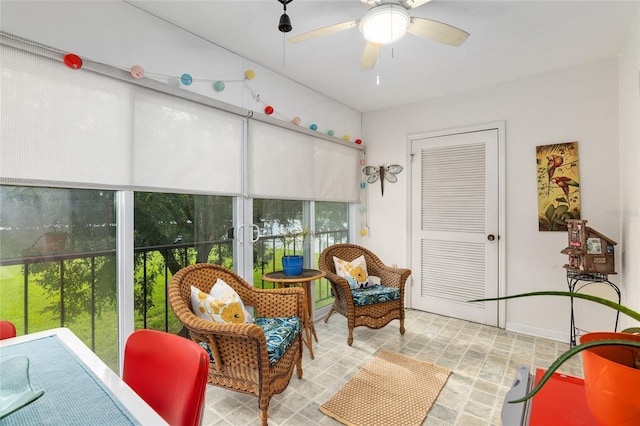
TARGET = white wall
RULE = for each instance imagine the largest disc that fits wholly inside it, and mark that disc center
(577, 104)
(629, 167)
(120, 35)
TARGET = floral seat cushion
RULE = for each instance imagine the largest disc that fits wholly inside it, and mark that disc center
(279, 332)
(376, 294)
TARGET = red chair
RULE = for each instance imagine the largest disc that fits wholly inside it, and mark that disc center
(169, 372)
(7, 330)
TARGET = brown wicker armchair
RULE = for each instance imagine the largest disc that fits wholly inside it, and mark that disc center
(374, 315)
(239, 351)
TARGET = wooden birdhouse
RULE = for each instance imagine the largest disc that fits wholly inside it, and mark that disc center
(589, 251)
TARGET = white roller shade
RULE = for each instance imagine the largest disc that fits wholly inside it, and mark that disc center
(62, 125)
(97, 127)
(185, 146)
(288, 164)
(80, 128)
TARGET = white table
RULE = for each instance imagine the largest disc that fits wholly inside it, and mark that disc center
(88, 368)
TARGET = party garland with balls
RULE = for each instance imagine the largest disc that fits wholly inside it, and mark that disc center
(137, 72)
(73, 61)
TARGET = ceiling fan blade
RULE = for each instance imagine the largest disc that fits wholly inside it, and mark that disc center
(369, 56)
(437, 31)
(412, 4)
(324, 31)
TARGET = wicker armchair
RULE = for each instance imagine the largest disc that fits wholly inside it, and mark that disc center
(239, 351)
(373, 315)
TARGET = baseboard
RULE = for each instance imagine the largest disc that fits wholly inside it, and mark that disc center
(539, 332)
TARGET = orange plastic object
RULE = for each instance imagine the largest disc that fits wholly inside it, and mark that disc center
(611, 383)
(169, 372)
(7, 330)
(561, 401)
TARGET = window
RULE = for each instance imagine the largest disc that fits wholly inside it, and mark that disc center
(172, 231)
(57, 262)
(275, 217)
(331, 227)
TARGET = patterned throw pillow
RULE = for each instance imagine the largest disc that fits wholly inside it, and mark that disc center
(355, 272)
(222, 304)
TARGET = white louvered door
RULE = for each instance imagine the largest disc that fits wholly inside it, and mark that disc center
(454, 202)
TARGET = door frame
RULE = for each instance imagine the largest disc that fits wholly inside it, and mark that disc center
(502, 240)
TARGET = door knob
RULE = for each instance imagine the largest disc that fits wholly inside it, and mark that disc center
(491, 237)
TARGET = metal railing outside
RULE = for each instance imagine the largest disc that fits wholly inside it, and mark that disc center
(152, 270)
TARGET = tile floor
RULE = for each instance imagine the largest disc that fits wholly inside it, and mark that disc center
(483, 360)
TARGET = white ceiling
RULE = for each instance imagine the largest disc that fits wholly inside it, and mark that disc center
(509, 40)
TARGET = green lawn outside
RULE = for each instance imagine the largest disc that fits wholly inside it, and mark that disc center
(12, 309)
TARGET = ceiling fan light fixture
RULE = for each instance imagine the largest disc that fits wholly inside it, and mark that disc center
(385, 23)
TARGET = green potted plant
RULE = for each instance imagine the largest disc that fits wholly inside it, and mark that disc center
(291, 239)
(611, 362)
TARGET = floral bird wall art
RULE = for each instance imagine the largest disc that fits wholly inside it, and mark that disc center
(558, 185)
(554, 161)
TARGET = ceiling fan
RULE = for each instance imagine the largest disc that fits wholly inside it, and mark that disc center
(386, 22)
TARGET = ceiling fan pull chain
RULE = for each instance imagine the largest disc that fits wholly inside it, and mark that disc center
(378, 67)
(284, 49)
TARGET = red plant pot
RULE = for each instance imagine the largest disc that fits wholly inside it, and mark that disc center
(612, 385)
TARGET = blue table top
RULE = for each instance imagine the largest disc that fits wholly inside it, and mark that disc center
(73, 394)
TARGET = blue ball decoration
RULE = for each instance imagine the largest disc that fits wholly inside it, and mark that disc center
(362, 185)
(186, 79)
(314, 126)
(331, 132)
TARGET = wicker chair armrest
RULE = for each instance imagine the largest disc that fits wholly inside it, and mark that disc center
(206, 327)
(389, 276)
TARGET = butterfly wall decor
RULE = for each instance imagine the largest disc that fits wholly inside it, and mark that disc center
(383, 173)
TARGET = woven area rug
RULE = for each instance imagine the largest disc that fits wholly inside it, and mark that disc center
(393, 389)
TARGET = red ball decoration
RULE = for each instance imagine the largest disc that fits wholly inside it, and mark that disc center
(358, 141)
(268, 110)
(72, 61)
